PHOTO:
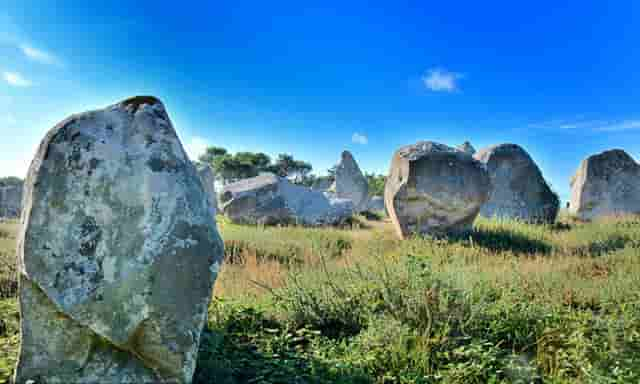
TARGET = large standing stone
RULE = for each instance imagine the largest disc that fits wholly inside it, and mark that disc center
(518, 189)
(606, 184)
(10, 200)
(268, 199)
(207, 177)
(117, 254)
(350, 183)
(433, 188)
(467, 147)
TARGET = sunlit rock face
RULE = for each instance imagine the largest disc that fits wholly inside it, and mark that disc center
(519, 191)
(118, 251)
(207, 177)
(350, 183)
(269, 199)
(606, 184)
(376, 204)
(466, 147)
(10, 200)
(434, 189)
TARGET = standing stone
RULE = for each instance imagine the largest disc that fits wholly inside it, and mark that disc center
(117, 254)
(606, 184)
(434, 189)
(207, 177)
(269, 199)
(376, 204)
(350, 183)
(467, 147)
(11, 200)
(322, 183)
(518, 189)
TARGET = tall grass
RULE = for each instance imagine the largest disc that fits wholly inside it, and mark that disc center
(507, 303)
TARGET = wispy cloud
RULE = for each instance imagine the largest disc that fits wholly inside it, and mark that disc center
(625, 125)
(359, 138)
(441, 80)
(16, 80)
(585, 125)
(196, 146)
(39, 55)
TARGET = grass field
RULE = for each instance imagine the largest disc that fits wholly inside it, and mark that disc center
(512, 303)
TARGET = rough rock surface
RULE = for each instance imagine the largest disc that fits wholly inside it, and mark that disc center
(376, 203)
(207, 177)
(322, 184)
(466, 147)
(519, 191)
(117, 253)
(606, 184)
(350, 183)
(433, 188)
(268, 199)
(10, 200)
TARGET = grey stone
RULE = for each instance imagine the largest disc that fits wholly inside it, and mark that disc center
(434, 189)
(350, 183)
(322, 184)
(519, 191)
(376, 204)
(117, 253)
(466, 147)
(606, 184)
(269, 199)
(10, 200)
(207, 177)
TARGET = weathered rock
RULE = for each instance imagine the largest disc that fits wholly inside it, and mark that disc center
(350, 183)
(435, 189)
(519, 191)
(376, 203)
(606, 184)
(466, 147)
(117, 253)
(268, 199)
(322, 184)
(207, 177)
(10, 200)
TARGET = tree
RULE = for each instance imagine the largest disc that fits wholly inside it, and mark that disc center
(376, 183)
(286, 166)
(241, 165)
(10, 180)
(211, 153)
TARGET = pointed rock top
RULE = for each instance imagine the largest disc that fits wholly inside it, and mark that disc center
(466, 147)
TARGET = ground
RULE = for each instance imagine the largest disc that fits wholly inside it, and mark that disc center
(510, 302)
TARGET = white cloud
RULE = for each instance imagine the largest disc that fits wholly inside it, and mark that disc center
(359, 138)
(38, 54)
(625, 125)
(582, 125)
(441, 80)
(16, 80)
(196, 146)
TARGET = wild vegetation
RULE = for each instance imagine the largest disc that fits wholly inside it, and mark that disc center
(509, 303)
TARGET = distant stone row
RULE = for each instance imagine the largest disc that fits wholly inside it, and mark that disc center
(433, 188)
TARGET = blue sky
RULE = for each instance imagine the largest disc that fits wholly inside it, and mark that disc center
(314, 78)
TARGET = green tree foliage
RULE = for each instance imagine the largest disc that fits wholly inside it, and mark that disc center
(211, 153)
(286, 166)
(376, 183)
(10, 180)
(241, 165)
